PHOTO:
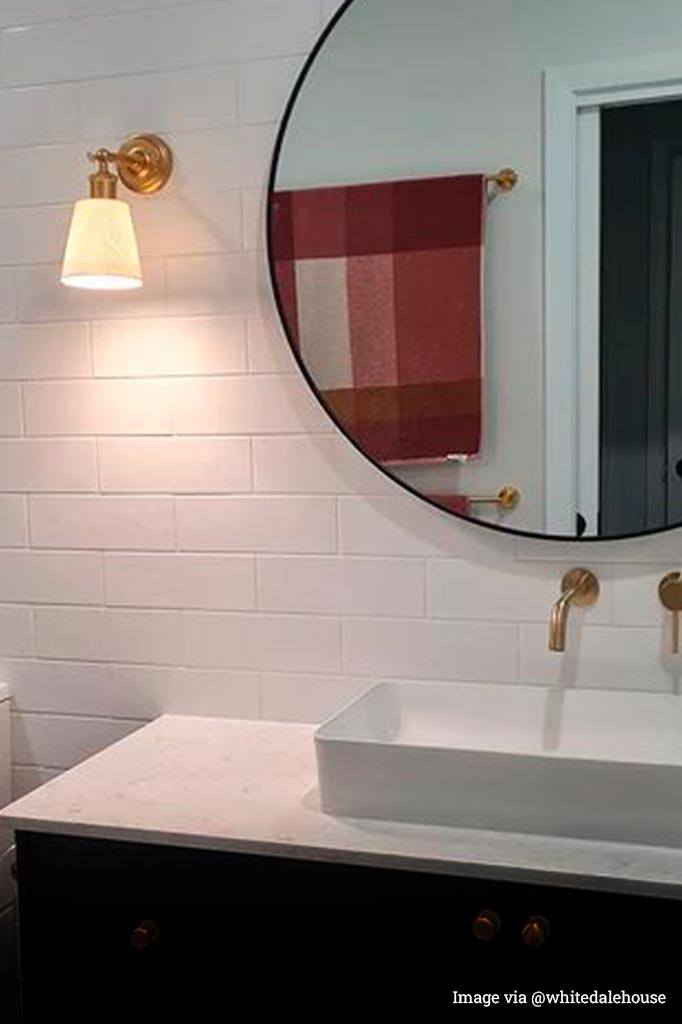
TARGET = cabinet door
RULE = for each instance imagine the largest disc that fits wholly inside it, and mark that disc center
(406, 940)
(135, 925)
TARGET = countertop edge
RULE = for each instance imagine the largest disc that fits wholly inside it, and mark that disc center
(492, 870)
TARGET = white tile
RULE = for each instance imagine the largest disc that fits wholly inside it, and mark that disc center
(37, 115)
(98, 47)
(195, 221)
(40, 351)
(111, 634)
(260, 404)
(224, 158)
(53, 175)
(269, 350)
(431, 650)
(32, 465)
(15, 631)
(61, 687)
(341, 586)
(218, 693)
(662, 547)
(28, 777)
(177, 465)
(180, 581)
(631, 658)
(7, 293)
(172, 346)
(257, 524)
(400, 525)
(62, 741)
(307, 698)
(174, 37)
(51, 578)
(264, 87)
(265, 28)
(315, 465)
(253, 219)
(287, 643)
(33, 234)
(90, 7)
(97, 407)
(212, 284)
(502, 591)
(41, 297)
(102, 522)
(25, 12)
(191, 100)
(10, 410)
(129, 691)
(635, 595)
(13, 521)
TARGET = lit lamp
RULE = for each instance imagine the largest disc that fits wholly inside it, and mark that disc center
(101, 250)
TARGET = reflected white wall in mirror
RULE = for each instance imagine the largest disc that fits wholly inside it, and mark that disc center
(404, 90)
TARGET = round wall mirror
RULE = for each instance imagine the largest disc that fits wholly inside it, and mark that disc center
(475, 242)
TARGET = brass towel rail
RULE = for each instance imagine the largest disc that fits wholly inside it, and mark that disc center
(504, 180)
(506, 499)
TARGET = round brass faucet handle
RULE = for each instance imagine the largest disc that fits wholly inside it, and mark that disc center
(486, 926)
(536, 931)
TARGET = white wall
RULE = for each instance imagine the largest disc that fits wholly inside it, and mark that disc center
(180, 527)
(409, 88)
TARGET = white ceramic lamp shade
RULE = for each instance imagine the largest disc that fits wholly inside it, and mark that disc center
(101, 250)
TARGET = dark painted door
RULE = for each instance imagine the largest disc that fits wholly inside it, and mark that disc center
(641, 328)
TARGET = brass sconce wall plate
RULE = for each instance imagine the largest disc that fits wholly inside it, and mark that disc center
(145, 163)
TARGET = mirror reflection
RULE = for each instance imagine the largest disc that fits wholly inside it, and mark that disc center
(475, 234)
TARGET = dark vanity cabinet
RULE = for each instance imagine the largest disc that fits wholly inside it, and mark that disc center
(145, 929)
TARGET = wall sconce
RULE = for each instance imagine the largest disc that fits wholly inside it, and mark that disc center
(101, 249)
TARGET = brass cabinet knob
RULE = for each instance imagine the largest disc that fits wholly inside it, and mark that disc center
(486, 926)
(535, 931)
(145, 933)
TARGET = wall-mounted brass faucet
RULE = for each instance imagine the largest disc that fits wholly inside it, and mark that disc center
(579, 587)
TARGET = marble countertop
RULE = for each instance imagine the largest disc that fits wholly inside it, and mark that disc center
(220, 784)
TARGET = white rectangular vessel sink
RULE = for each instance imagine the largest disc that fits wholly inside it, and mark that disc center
(584, 763)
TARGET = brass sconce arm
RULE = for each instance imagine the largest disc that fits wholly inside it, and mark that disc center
(144, 164)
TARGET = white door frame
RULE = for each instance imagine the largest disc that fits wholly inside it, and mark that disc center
(571, 272)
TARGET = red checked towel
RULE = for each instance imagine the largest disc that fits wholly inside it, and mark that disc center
(381, 287)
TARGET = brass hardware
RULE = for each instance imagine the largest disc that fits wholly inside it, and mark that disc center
(670, 593)
(145, 934)
(102, 182)
(507, 498)
(486, 926)
(504, 181)
(535, 931)
(144, 164)
(579, 587)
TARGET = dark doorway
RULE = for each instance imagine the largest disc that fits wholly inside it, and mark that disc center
(641, 326)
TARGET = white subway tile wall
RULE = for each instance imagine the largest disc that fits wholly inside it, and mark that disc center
(181, 527)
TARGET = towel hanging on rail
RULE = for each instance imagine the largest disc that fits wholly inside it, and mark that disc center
(381, 287)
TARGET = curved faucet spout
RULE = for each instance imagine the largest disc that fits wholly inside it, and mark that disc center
(579, 587)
